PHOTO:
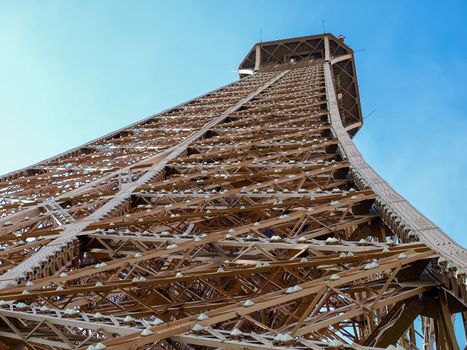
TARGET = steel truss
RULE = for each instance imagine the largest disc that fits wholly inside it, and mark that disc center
(243, 219)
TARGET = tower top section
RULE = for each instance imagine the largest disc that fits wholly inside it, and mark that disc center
(308, 50)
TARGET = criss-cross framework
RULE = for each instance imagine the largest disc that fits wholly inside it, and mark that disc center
(243, 219)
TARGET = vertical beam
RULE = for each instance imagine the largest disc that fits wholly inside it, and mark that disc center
(446, 322)
(258, 57)
(327, 51)
(428, 333)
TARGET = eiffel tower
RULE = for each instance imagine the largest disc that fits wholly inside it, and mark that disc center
(245, 218)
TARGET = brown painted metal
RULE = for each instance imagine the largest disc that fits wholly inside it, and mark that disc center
(244, 218)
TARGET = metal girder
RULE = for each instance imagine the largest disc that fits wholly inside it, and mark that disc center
(245, 218)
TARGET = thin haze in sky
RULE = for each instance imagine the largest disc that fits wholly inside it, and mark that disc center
(71, 71)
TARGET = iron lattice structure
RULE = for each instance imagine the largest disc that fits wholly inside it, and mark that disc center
(243, 219)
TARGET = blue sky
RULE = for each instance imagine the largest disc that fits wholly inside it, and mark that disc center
(71, 71)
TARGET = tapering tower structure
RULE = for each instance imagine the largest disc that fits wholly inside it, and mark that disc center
(243, 219)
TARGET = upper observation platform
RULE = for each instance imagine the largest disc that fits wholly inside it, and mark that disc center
(296, 52)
